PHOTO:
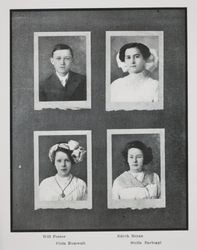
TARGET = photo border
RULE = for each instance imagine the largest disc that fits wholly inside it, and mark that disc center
(113, 106)
(136, 204)
(75, 105)
(71, 204)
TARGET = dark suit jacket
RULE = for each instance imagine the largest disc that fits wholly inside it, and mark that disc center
(51, 89)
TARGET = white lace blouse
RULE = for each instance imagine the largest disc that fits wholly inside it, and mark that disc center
(138, 87)
(136, 186)
(73, 188)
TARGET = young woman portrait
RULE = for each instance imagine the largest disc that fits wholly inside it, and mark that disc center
(138, 85)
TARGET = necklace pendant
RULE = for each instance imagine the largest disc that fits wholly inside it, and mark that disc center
(63, 195)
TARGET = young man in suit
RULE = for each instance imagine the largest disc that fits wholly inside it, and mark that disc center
(63, 84)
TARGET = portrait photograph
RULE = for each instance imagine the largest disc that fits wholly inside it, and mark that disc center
(62, 169)
(136, 168)
(62, 70)
(134, 70)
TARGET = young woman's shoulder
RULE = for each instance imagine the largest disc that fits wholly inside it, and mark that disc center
(153, 82)
(122, 177)
(47, 181)
(156, 177)
(117, 82)
(79, 181)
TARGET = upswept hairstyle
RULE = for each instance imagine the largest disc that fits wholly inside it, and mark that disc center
(142, 48)
(147, 151)
(64, 150)
(61, 46)
(72, 148)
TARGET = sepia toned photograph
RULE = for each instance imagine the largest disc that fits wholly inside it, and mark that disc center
(62, 70)
(136, 168)
(62, 169)
(134, 70)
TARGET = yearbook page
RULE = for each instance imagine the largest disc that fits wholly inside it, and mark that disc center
(98, 125)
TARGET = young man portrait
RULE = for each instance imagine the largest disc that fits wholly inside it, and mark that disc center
(63, 84)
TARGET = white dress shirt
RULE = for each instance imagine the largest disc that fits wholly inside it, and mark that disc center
(63, 79)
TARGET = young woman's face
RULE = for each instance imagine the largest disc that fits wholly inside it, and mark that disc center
(134, 60)
(135, 159)
(63, 164)
(62, 60)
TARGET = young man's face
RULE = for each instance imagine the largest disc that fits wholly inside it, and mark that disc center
(62, 60)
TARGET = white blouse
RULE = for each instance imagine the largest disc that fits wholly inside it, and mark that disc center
(138, 87)
(123, 190)
(73, 189)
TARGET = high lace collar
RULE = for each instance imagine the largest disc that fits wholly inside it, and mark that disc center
(63, 180)
(138, 175)
(139, 76)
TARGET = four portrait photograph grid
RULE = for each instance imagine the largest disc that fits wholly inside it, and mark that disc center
(102, 118)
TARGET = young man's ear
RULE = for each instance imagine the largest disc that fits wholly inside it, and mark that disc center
(52, 61)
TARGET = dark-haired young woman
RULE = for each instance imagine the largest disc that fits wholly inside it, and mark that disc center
(137, 183)
(138, 86)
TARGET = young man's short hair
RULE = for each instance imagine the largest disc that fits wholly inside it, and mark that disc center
(61, 47)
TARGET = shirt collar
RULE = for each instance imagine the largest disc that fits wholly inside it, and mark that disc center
(139, 175)
(63, 79)
(63, 180)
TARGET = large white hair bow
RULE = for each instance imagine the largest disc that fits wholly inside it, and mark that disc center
(151, 63)
(77, 152)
